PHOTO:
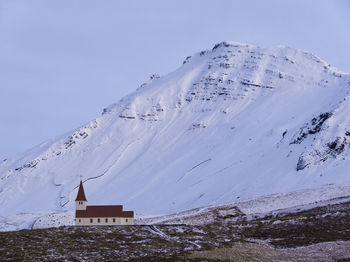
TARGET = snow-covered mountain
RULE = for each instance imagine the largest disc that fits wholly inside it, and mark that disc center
(234, 122)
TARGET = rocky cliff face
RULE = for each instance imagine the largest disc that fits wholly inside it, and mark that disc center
(233, 122)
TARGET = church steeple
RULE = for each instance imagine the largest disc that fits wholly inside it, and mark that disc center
(80, 201)
(81, 193)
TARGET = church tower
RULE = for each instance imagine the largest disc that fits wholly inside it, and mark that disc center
(80, 201)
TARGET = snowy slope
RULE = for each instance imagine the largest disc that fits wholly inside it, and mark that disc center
(234, 122)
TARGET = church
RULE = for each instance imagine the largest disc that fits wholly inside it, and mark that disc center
(99, 215)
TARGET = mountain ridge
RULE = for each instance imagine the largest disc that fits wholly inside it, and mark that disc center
(233, 122)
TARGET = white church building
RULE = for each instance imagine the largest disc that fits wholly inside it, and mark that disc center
(99, 215)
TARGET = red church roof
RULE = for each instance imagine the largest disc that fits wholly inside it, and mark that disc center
(81, 193)
(104, 211)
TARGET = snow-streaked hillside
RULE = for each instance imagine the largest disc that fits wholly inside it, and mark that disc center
(234, 122)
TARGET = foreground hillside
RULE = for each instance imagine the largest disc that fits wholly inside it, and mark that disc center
(232, 123)
(316, 234)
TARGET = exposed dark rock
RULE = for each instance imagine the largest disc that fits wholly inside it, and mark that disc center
(221, 44)
(127, 117)
(312, 128)
(330, 149)
(197, 125)
(30, 164)
(69, 142)
(284, 133)
(187, 59)
(154, 76)
(302, 163)
(337, 146)
(248, 83)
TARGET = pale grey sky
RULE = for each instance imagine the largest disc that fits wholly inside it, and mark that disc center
(63, 61)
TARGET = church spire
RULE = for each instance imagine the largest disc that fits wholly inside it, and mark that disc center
(81, 193)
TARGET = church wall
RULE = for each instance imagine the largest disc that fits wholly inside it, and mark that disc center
(85, 221)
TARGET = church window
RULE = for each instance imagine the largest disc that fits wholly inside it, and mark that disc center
(106, 220)
(113, 220)
(126, 220)
(91, 220)
(98, 220)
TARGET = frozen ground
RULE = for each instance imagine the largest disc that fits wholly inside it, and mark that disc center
(259, 207)
(55, 220)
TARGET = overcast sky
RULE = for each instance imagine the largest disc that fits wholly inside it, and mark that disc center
(63, 61)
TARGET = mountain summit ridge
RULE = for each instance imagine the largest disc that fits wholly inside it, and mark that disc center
(234, 122)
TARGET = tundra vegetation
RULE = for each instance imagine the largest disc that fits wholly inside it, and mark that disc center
(316, 234)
